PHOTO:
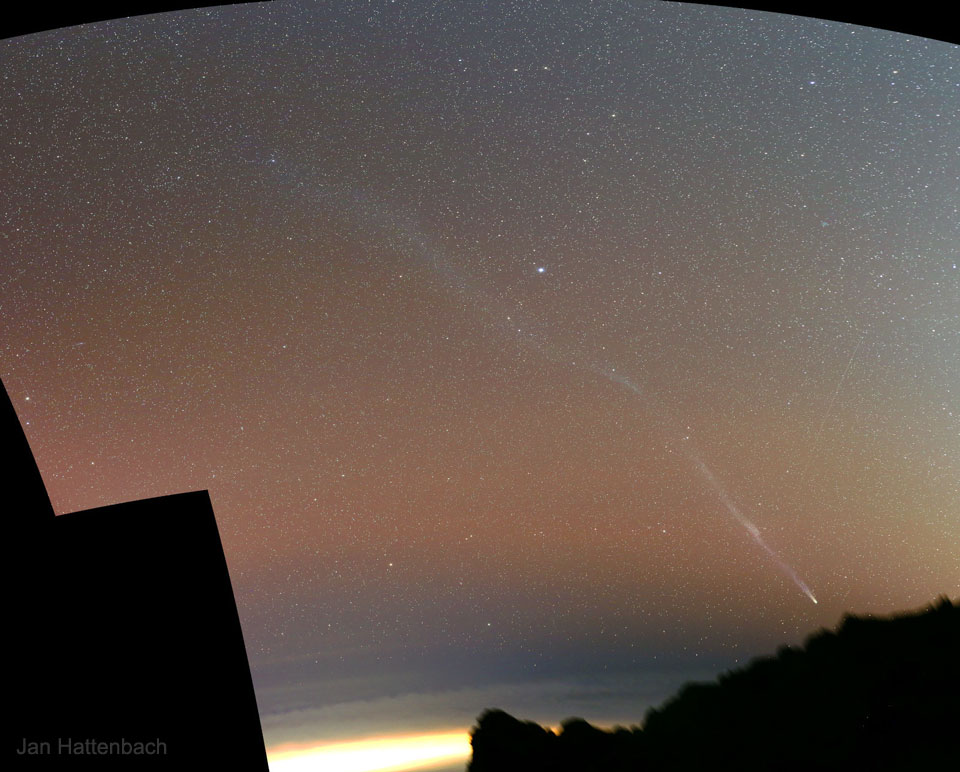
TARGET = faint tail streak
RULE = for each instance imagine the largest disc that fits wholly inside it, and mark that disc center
(826, 415)
(524, 335)
(407, 237)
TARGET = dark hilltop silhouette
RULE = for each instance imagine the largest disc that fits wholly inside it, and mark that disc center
(877, 694)
(124, 645)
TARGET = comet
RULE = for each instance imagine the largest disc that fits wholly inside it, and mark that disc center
(411, 239)
(710, 478)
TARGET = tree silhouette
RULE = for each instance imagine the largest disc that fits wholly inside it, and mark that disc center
(878, 694)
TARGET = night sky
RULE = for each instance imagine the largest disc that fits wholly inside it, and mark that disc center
(535, 355)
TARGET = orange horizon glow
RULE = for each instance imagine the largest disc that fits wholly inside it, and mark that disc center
(391, 753)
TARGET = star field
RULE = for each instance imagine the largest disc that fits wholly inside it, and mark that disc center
(375, 274)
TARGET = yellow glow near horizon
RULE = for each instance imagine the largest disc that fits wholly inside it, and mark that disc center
(376, 754)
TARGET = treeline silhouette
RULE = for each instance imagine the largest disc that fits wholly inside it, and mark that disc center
(877, 694)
